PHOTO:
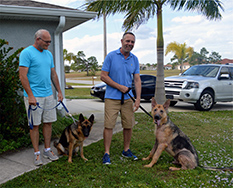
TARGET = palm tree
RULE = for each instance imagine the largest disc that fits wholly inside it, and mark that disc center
(140, 11)
(182, 53)
(68, 56)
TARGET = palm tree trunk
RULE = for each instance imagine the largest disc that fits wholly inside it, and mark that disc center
(105, 35)
(160, 91)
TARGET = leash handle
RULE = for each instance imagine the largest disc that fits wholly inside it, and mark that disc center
(30, 118)
(122, 95)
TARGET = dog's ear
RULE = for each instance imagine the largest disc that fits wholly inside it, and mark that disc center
(166, 104)
(153, 102)
(91, 118)
(81, 118)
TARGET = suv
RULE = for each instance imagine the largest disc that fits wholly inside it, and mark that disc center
(201, 85)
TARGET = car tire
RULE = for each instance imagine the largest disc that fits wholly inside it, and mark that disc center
(205, 102)
(173, 103)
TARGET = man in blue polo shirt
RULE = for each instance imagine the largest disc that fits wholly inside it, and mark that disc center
(36, 70)
(119, 68)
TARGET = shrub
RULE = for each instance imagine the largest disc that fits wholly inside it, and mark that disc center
(13, 121)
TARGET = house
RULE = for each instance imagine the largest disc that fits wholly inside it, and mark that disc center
(226, 61)
(168, 67)
(20, 19)
(186, 65)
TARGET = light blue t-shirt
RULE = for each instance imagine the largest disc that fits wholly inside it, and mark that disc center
(120, 70)
(39, 72)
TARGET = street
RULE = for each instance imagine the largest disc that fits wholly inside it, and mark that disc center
(96, 106)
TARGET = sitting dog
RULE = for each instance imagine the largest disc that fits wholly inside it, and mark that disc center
(73, 136)
(171, 139)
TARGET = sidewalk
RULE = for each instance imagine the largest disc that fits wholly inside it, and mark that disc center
(17, 163)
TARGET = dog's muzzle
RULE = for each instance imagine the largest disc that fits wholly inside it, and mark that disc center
(157, 119)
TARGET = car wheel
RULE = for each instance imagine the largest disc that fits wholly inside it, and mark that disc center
(173, 103)
(206, 101)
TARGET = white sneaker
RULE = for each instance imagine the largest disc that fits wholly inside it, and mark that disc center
(50, 155)
(37, 160)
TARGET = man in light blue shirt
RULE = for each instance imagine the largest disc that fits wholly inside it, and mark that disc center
(36, 71)
(119, 68)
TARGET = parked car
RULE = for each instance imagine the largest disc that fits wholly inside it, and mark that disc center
(201, 85)
(148, 88)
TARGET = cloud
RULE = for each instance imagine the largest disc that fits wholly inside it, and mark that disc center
(188, 19)
(189, 27)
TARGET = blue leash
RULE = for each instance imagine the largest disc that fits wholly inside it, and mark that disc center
(30, 109)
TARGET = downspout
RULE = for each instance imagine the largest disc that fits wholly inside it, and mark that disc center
(59, 65)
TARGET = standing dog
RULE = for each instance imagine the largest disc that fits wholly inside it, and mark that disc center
(171, 139)
(73, 136)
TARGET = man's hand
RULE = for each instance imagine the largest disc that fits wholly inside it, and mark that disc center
(123, 89)
(136, 105)
(60, 96)
(32, 100)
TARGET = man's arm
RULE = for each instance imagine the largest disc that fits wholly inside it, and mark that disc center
(138, 88)
(24, 80)
(56, 84)
(105, 78)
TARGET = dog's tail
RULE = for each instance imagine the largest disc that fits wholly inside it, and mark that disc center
(218, 169)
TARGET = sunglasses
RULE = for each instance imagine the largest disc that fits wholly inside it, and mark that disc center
(48, 42)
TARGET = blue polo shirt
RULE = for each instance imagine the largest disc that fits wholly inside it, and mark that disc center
(120, 70)
(39, 72)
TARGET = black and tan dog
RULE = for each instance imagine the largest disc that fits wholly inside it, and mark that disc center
(73, 136)
(171, 139)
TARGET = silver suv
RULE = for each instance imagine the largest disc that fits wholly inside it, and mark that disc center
(201, 85)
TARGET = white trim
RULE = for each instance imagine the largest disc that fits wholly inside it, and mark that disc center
(41, 11)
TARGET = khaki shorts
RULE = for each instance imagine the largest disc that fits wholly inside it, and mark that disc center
(38, 115)
(113, 107)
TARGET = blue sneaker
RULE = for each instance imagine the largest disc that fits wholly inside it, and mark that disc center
(129, 154)
(106, 159)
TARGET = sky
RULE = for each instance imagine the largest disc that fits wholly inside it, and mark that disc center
(178, 26)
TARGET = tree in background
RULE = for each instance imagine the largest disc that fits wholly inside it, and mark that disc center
(68, 56)
(138, 12)
(83, 64)
(182, 52)
(214, 57)
(202, 58)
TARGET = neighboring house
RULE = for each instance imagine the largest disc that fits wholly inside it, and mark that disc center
(168, 67)
(20, 19)
(226, 61)
(185, 66)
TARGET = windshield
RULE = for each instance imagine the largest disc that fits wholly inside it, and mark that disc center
(206, 71)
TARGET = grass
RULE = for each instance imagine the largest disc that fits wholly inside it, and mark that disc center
(84, 93)
(210, 132)
(83, 75)
(78, 93)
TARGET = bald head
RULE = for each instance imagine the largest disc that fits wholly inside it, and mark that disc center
(40, 33)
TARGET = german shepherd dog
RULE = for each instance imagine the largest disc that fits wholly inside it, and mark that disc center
(73, 136)
(171, 139)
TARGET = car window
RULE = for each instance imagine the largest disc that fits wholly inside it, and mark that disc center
(225, 71)
(207, 71)
(147, 79)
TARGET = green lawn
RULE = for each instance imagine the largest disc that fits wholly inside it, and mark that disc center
(84, 93)
(210, 132)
